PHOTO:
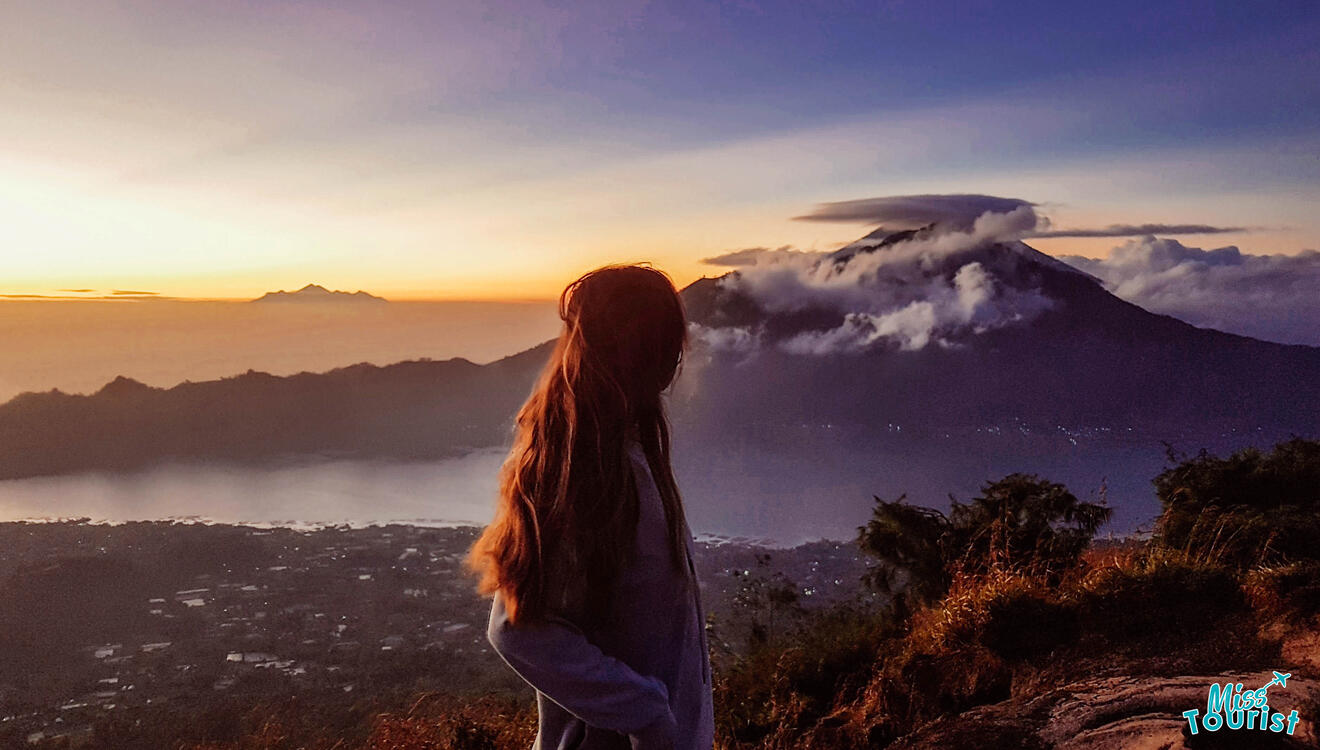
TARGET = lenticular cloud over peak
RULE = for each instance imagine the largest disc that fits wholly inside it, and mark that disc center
(959, 211)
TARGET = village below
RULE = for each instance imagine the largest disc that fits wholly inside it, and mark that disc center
(142, 621)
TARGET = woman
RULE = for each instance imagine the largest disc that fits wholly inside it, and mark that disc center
(589, 557)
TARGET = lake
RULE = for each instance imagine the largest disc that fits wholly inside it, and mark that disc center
(455, 491)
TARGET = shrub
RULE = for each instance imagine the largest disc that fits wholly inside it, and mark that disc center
(1020, 522)
(1156, 595)
(914, 687)
(1012, 614)
(1291, 592)
(1252, 508)
(778, 688)
(1027, 625)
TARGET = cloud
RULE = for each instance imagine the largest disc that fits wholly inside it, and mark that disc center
(115, 295)
(961, 210)
(725, 339)
(915, 211)
(914, 293)
(783, 280)
(1270, 297)
(973, 302)
(1140, 230)
(751, 256)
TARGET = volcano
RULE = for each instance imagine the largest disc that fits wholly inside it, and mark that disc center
(1073, 354)
(1045, 371)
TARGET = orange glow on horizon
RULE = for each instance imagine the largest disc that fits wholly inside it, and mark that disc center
(529, 286)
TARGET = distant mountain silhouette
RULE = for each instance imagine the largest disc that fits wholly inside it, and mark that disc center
(768, 440)
(413, 410)
(318, 293)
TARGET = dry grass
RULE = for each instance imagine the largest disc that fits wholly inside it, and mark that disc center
(434, 721)
(960, 619)
(442, 722)
(1289, 592)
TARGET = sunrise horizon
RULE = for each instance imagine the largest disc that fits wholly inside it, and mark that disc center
(224, 150)
(683, 270)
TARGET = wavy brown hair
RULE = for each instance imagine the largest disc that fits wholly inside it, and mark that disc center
(567, 510)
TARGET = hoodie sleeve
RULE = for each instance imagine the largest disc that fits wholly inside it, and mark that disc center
(554, 656)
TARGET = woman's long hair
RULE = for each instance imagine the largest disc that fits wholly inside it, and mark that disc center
(567, 509)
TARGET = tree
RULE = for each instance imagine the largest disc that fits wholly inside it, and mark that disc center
(1020, 522)
(911, 544)
(1023, 521)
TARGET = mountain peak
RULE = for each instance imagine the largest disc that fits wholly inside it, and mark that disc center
(880, 237)
(902, 289)
(318, 293)
(124, 386)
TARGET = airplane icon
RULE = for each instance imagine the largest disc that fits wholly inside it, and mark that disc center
(1280, 679)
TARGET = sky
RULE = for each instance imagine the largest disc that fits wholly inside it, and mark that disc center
(496, 150)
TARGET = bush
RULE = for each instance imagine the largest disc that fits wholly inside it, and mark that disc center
(1290, 592)
(1156, 593)
(777, 688)
(1024, 626)
(977, 610)
(1249, 509)
(1021, 522)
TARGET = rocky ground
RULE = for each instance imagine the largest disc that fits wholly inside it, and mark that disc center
(1122, 713)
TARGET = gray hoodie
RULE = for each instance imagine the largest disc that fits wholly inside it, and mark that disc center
(642, 683)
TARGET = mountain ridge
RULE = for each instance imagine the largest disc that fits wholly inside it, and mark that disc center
(318, 293)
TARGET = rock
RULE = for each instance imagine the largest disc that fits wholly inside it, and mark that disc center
(1122, 713)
